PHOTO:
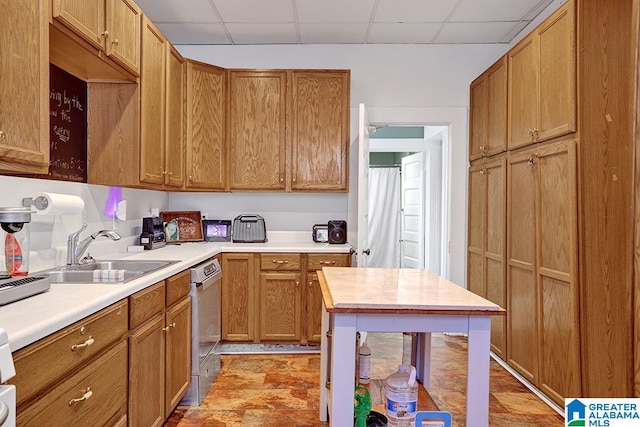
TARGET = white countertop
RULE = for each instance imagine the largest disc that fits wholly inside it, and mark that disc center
(33, 318)
(352, 290)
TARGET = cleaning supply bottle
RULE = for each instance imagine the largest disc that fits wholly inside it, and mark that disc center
(364, 363)
(401, 389)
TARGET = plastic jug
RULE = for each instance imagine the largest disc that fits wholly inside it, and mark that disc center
(401, 389)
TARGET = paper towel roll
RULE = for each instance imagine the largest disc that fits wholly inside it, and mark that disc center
(57, 204)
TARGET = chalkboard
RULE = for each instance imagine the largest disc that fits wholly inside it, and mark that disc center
(68, 126)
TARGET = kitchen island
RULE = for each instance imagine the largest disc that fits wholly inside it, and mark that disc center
(399, 300)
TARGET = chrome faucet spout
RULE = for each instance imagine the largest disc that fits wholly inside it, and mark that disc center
(75, 249)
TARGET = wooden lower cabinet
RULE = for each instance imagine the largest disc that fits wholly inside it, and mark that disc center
(238, 297)
(280, 306)
(94, 396)
(274, 297)
(159, 351)
(542, 308)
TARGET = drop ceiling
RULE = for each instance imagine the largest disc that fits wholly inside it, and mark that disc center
(242, 22)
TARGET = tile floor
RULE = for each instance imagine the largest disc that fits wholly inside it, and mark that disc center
(280, 390)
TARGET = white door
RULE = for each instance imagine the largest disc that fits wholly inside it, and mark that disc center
(412, 248)
(362, 250)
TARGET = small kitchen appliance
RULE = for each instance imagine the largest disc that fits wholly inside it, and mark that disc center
(14, 238)
(320, 233)
(216, 230)
(337, 231)
(153, 236)
(249, 229)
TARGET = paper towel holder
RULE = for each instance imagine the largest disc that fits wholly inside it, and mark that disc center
(39, 203)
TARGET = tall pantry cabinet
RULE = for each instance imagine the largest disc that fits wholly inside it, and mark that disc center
(572, 259)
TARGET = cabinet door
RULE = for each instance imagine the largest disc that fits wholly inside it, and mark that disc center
(238, 300)
(522, 302)
(257, 134)
(557, 68)
(523, 93)
(557, 271)
(178, 354)
(24, 87)
(320, 130)
(152, 104)
(103, 382)
(206, 104)
(478, 118)
(280, 307)
(496, 108)
(495, 249)
(476, 233)
(313, 309)
(175, 118)
(123, 21)
(86, 18)
(147, 364)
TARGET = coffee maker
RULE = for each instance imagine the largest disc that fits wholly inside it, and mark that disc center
(152, 236)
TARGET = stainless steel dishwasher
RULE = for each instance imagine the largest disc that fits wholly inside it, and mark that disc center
(205, 330)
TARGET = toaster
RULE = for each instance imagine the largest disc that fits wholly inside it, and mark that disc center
(249, 229)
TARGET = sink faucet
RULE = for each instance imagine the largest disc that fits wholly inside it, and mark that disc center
(75, 249)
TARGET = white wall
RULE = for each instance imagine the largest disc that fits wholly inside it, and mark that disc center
(49, 232)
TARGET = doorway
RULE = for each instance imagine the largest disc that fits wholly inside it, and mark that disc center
(406, 197)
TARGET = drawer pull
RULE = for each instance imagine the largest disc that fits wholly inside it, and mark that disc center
(85, 344)
(327, 262)
(87, 394)
(279, 261)
(171, 325)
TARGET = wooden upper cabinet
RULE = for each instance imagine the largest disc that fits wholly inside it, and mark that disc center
(112, 26)
(174, 118)
(478, 118)
(257, 129)
(542, 81)
(123, 41)
(489, 112)
(24, 87)
(320, 130)
(152, 104)
(206, 113)
(85, 17)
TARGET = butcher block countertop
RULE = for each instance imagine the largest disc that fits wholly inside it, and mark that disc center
(376, 290)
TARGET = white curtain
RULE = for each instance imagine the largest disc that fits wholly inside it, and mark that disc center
(384, 217)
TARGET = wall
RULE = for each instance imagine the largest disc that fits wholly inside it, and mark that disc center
(49, 232)
(398, 83)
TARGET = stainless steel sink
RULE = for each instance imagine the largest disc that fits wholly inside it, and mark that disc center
(124, 264)
(106, 271)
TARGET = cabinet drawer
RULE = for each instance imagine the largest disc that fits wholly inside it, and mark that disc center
(103, 383)
(279, 262)
(145, 304)
(178, 287)
(44, 362)
(317, 261)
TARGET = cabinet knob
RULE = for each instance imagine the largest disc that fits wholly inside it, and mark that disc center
(2, 135)
(116, 42)
(536, 135)
(170, 173)
(164, 172)
(297, 284)
(87, 394)
(310, 284)
(281, 179)
(169, 326)
(105, 34)
(483, 171)
(294, 180)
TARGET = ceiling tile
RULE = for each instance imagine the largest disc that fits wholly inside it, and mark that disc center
(314, 11)
(194, 33)
(492, 10)
(175, 11)
(507, 37)
(333, 33)
(474, 32)
(262, 33)
(258, 11)
(414, 10)
(402, 33)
